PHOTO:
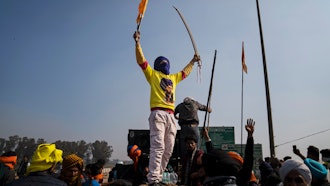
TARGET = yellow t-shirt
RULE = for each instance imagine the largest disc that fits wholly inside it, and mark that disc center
(162, 86)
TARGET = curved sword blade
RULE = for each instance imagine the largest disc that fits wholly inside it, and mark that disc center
(189, 32)
(193, 43)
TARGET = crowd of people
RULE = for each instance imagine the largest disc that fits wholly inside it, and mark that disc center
(214, 167)
(43, 168)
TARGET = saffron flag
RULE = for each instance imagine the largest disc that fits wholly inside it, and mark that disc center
(244, 68)
(142, 8)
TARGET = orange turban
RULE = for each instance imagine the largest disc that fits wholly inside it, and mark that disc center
(236, 157)
(240, 160)
(9, 161)
(253, 178)
(134, 153)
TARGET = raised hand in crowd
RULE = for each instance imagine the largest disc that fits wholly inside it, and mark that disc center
(249, 127)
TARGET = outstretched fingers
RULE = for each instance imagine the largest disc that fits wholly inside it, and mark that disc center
(250, 125)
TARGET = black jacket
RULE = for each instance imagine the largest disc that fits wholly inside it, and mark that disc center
(38, 179)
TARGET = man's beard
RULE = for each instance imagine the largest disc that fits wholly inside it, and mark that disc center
(71, 180)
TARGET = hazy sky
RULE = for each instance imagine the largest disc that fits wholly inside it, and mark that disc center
(68, 69)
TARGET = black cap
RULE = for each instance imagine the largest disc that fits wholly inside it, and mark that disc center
(325, 152)
(219, 163)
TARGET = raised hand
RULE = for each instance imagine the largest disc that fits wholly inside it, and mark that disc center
(136, 36)
(205, 134)
(196, 58)
(249, 127)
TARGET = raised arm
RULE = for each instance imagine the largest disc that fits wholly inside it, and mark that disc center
(203, 107)
(187, 69)
(208, 142)
(245, 172)
(140, 59)
(297, 152)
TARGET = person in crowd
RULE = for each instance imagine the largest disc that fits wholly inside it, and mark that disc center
(162, 102)
(269, 171)
(208, 141)
(326, 157)
(192, 163)
(220, 168)
(99, 177)
(92, 171)
(121, 175)
(318, 171)
(312, 152)
(326, 160)
(245, 175)
(43, 163)
(267, 159)
(275, 163)
(274, 178)
(85, 174)
(113, 174)
(23, 166)
(294, 172)
(8, 160)
(265, 170)
(71, 172)
(140, 165)
(187, 115)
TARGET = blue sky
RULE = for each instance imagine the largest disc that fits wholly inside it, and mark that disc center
(68, 69)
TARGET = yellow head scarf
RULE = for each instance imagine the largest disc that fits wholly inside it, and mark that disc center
(44, 158)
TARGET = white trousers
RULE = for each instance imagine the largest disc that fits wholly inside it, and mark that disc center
(162, 139)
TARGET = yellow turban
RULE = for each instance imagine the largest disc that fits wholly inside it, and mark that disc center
(44, 158)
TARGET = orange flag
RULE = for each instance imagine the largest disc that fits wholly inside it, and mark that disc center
(142, 8)
(244, 68)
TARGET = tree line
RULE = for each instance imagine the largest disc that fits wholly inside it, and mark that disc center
(90, 152)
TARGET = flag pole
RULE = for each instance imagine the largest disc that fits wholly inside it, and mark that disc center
(269, 112)
(138, 27)
(242, 104)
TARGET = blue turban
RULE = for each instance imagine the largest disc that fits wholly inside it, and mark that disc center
(162, 64)
(317, 169)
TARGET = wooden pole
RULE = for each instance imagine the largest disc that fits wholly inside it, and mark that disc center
(269, 111)
(242, 111)
(210, 89)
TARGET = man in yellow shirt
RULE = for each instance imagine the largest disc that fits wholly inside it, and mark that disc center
(162, 99)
